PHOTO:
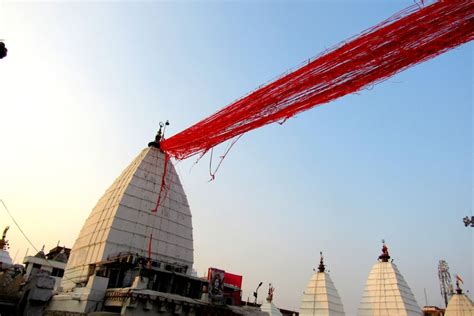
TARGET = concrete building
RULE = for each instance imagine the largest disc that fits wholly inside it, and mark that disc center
(433, 311)
(145, 213)
(386, 292)
(321, 297)
(54, 263)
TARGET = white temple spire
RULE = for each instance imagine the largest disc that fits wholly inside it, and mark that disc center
(386, 292)
(320, 297)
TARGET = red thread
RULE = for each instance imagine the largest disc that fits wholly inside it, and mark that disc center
(409, 37)
(213, 174)
(163, 188)
(149, 246)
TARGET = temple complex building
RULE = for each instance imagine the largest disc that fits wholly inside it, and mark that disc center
(143, 214)
(54, 262)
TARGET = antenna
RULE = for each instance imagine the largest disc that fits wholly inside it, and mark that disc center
(426, 297)
(445, 284)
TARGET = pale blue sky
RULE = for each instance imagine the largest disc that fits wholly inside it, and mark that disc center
(85, 85)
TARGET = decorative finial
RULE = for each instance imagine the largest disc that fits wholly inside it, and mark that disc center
(321, 266)
(271, 289)
(4, 241)
(160, 135)
(458, 288)
(3, 50)
(384, 256)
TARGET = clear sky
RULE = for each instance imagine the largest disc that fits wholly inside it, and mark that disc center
(85, 85)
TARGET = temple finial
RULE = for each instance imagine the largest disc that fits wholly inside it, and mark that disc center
(160, 135)
(384, 256)
(458, 280)
(271, 289)
(321, 266)
(4, 241)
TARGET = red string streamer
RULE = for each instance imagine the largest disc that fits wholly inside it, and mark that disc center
(149, 246)
(411, 36)
(163, 188)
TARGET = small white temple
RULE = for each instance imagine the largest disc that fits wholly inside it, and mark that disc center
(386, 292)
(459, 304)
(320, 297)
(268, 307)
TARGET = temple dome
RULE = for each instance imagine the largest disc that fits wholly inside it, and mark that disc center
(386, 292)
(459, 305)
(321, 297)
(123, 221)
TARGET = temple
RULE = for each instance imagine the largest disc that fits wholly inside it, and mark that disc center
(268, 307)
(321, 297)
(459, 304)
(143, 216)
(386, 292)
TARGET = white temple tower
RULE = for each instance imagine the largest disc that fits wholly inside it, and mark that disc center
(320, 297)
(459, 304)
(386, 292)
(123, 220)
(268, 307)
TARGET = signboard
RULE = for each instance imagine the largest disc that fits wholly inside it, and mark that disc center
(216, 282)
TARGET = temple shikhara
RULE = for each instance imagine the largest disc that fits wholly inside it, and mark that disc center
(386, 291)
(459, 304)
(134, 254)
(321, 297)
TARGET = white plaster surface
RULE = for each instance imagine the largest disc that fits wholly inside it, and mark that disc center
(5, 258)
(387, 293)
(459, 305)
(270, 309)
(321, 297)
(122, 220)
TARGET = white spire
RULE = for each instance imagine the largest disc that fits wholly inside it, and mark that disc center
(459, 304)
(386, 292)
(268, 307)
(123, 221)
(320, 297)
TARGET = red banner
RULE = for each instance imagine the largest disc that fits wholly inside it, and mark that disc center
(233, 279)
